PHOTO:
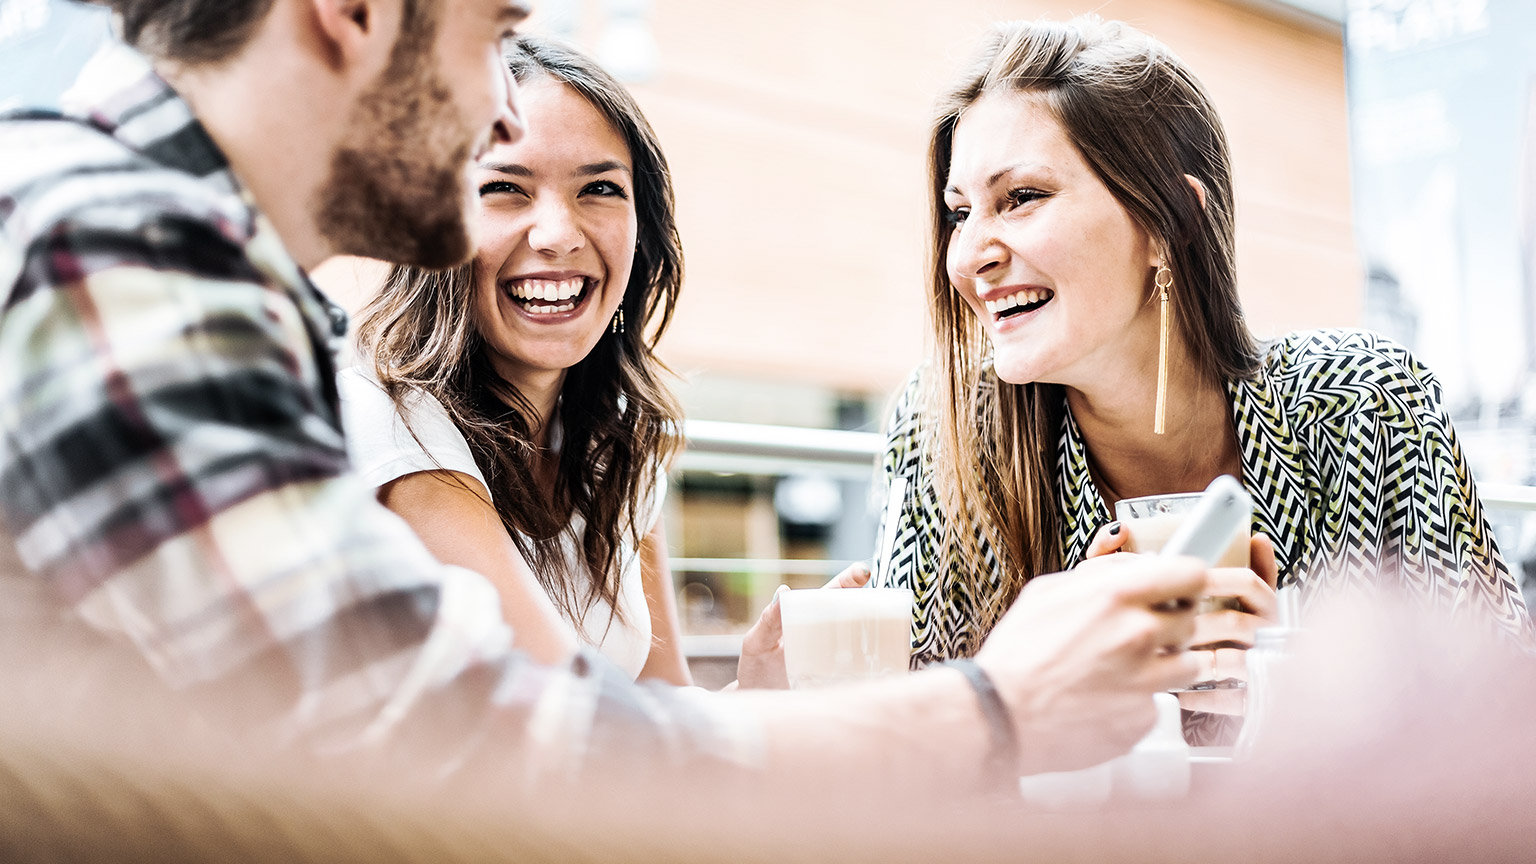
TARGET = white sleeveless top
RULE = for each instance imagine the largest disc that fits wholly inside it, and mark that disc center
(383, 449)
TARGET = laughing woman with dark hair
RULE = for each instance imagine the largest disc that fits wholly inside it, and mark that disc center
(514, 411)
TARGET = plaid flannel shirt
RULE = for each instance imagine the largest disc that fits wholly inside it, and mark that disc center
(173, 472)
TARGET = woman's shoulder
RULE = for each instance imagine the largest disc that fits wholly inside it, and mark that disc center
(1345, 369)
(360, 390)
(388, 440)
(908, 403)
(1331, 346)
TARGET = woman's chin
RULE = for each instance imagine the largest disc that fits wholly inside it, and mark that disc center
(1013, 369)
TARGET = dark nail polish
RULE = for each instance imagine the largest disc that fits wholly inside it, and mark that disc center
(1114, 529)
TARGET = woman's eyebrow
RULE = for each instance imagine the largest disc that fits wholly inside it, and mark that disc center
(514, 12)
(602, 168)
(997, 176)
(512, 168)
(586, 170)
(1016, 167)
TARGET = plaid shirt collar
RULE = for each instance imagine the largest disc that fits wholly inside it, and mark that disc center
(121, 94)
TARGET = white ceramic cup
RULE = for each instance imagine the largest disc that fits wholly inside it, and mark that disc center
(841, 635)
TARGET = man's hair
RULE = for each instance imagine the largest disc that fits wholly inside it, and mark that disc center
(202, 31)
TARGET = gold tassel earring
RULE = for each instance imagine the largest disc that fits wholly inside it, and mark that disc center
(1162, 280)
(618, 321)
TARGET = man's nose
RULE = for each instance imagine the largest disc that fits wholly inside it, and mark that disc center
(509, 125)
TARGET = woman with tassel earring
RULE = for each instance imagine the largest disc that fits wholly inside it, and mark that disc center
(1091, 347)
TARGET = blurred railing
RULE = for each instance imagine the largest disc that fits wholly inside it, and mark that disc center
(1507, 496)
(746, 448)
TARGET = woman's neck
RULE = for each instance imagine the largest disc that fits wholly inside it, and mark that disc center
(1128, 458)
(540, 388)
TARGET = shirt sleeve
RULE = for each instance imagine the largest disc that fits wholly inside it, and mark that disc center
(1399, 498)
(172, 470)
(386, 444)
(657, 501)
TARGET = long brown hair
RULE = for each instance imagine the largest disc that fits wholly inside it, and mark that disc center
(618, 419)
(1142, 122)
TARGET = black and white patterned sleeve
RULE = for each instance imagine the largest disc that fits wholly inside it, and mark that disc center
(910, 535)
(1442, 510)
(1401, 497)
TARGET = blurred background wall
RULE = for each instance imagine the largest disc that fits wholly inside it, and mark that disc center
(1443, 134)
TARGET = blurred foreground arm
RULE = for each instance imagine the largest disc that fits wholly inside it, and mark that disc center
(1075, 660)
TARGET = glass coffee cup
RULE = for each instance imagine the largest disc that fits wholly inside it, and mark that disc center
(1150, 521)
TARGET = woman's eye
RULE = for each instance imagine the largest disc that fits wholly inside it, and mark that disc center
(605, 188)
(498, 186)
(956, 216)
(1022, 196)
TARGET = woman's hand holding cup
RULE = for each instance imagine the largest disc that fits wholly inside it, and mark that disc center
(1226, 631)
(1239, 600)
(761, 665)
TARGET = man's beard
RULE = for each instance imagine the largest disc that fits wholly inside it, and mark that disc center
(397, 185)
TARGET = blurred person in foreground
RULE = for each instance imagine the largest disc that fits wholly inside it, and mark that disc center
(1422, 755)
(173, 473)
(1091, 347)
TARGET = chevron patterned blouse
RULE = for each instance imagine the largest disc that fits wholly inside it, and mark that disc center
(1354, 470)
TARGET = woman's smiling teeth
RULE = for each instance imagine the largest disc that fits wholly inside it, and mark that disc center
(548, 296)
(1022, 301)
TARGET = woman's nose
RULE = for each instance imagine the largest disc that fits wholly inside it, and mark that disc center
(976, 252)
(555, 232)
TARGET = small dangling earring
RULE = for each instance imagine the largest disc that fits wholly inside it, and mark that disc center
(618, 322)
(1162, 280)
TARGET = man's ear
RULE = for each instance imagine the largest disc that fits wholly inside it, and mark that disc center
(1195, 184)
(350, 30)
